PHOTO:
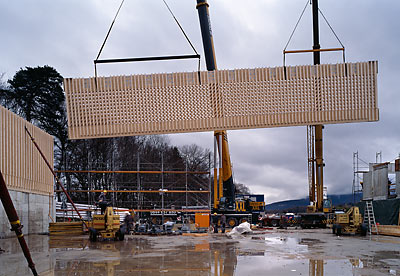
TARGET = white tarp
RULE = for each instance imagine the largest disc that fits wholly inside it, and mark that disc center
(240, 229)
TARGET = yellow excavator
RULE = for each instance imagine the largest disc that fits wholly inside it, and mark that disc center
(106, 226)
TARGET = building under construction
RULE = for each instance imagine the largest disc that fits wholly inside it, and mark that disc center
(379, 183)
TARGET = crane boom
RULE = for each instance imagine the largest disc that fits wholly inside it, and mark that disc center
(315, 135)
(319, 160)
(223, 187)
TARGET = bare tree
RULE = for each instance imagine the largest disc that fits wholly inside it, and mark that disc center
(242, 189)
(197, 157)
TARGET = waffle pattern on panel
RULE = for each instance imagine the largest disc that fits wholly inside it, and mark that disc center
(20, 163)
(226, 99)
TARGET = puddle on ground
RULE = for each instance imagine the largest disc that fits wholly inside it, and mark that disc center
(214, 255)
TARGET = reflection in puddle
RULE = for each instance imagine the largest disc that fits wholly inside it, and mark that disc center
(192, 256)
(288, 245)
(316, 268)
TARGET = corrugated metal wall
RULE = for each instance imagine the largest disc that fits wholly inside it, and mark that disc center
(20, 162)
(226, 99)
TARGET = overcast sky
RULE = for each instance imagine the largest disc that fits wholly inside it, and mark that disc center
(67, 34)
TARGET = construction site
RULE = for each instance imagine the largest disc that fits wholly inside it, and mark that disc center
(117, 199)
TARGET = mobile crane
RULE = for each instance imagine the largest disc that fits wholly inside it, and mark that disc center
(319, 206)
(237, 208)
(224, 199)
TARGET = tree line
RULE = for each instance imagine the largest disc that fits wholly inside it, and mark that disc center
(36, 94)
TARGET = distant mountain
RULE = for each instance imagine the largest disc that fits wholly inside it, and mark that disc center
(299, 205)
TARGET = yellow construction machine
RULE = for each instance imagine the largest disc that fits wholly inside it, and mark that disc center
(107, 226)
(350, 222)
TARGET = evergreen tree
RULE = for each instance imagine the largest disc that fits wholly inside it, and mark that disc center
(33, 89)
(36, 94)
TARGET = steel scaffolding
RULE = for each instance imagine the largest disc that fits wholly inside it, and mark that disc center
(146, 187)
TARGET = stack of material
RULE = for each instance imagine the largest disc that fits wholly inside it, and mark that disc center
(65, 228)
(389, 230)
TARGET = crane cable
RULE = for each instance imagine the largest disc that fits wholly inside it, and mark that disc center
(177, 22)
(327, 22)
(104, 42)
(295, 27)
(329, 25)
(184, 33)
(180, 27)
(109, 30)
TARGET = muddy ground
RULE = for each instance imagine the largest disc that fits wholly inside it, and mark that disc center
(271, 252)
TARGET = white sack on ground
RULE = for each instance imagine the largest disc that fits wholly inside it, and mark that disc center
(240, 229)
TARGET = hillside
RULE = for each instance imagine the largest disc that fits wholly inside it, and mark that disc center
(299, 205)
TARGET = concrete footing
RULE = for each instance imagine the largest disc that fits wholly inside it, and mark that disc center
(33, 211)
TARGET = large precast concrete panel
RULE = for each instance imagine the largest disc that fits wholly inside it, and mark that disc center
(220, 100)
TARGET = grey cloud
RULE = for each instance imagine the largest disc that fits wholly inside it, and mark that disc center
(68, 35)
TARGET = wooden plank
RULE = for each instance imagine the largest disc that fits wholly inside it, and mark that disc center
(389, 230)
(226, 99)
(65, 228)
